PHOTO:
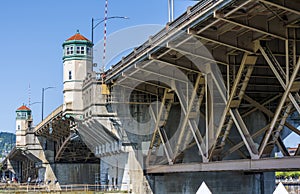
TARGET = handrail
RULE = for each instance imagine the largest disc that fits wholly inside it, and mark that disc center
(200, 7)
(44, 188)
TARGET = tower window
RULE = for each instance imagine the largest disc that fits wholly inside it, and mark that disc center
(70, 75)
(88, 51)
(70, 50)
(19, 127)
(80, 50)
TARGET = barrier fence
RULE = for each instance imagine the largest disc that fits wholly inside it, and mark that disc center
(23, 187)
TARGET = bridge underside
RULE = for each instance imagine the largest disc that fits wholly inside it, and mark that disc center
(65, 142)
(220, 85)
(21, 163)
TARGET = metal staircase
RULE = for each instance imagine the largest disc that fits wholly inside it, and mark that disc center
(274, 139)
(159, 135)
(190, 99)
(242, 83)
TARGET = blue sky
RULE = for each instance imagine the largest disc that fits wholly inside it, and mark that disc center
(31, 36)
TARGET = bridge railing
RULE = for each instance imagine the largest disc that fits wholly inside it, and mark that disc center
(201, 7)
(56, 112)
(44, 188)
(94, 187)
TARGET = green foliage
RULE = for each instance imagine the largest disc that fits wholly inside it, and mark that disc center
(293, 174)
(7, 142)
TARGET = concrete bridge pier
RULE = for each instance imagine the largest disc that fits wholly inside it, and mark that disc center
(225, 182)
(124, 172)
(62, 164)
(217, 182)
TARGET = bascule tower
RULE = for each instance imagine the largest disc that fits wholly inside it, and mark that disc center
(23, 123)
(77, 64)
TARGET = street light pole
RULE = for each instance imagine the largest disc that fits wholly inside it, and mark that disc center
(102, 20)
(92, 34)
(34, 103)
(43, 91)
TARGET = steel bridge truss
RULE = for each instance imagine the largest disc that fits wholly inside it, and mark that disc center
(58, 133)
(233, 74)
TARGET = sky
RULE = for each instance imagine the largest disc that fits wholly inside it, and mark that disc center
(32, 33)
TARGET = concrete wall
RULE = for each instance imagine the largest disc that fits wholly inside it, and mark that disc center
(218, 182)
(127, 170)
(114, 171)
(72, 87)
(75, 173)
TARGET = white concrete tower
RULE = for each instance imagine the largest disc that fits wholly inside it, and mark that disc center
(78, 63)
(23, 123)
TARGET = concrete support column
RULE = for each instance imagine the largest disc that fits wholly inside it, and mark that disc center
(218, 182)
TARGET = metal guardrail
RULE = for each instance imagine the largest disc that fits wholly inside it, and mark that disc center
(185, 18)
(21, 187)
(288, 181)
(93, 187)
(24, 187)
(56, 112)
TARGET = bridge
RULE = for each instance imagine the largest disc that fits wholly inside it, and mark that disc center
(213, 94)
(230, 69)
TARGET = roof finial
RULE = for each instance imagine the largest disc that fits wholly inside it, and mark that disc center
(77, 32)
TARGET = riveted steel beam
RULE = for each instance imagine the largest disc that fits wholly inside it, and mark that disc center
(228, 103)
(187, 121)
(208, 59)
(216, 15)
(143, 81)
(280, 7)
(157, 131)
(296, 105)
(261, 165)
(244, 133)
(193, 33)
(169, 77)
(279, 107)
(176, 65)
